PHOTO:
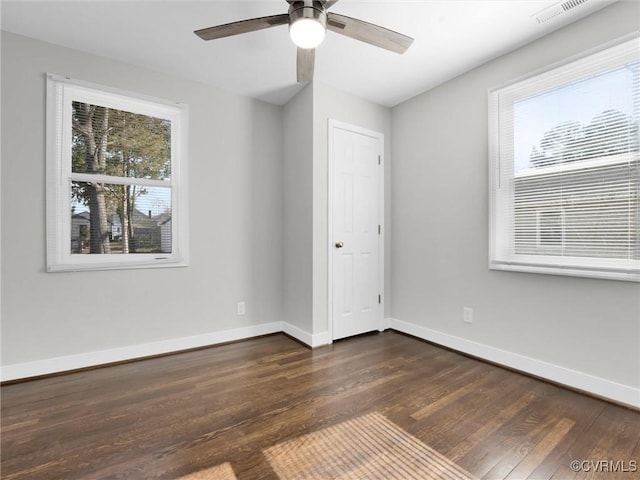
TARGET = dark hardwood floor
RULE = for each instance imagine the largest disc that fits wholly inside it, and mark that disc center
(170, 416)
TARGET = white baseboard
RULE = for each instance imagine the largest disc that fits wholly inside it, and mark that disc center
(582, 381)
(312, 340)
(132, 352)
(90, 359)
(562, 375)
(385, 324)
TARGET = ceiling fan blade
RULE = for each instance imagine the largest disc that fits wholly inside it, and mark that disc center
(306, 61)
(243, 26)
(368, 32)
(329, 3)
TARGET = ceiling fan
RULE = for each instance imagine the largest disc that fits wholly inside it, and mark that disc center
(308, 21)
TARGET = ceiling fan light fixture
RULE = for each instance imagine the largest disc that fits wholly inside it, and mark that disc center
(307, 33)
(307, 26)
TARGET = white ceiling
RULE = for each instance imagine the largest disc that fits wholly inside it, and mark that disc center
(451, 37)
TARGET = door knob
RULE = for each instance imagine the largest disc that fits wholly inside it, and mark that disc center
(339, 244)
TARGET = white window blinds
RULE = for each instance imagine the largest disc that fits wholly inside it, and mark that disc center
(565, 168)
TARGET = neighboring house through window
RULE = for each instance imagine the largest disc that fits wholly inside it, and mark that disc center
(565, 168)
(116, 179)
(550, 230)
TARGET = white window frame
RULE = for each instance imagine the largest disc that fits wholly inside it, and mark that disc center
(61, 92)
(501, 185)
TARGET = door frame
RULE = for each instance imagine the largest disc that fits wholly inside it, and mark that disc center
(333, 124)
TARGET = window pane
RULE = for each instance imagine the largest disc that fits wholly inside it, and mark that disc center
(592, 118)
(576, 168)
(114, 142)
(111, 218)
(590, 212)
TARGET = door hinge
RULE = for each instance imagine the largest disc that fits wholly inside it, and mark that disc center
(379, 230)
(379, 299)
(379, 159)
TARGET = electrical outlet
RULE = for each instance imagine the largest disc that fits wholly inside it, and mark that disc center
(241, 308)
(467, 315)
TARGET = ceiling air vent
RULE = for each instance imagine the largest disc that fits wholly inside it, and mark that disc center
(558, 9)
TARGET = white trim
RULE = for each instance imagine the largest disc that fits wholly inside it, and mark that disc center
(331, 125)
(564, 62)
(514, 266)
(94, 177)
(592, 163)
(556, 373)
(175, 345)
(309, 339)
(588, 383)
(131, 352)
(385, 324)
(115, 94)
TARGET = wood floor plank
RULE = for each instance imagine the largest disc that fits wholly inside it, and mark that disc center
(612, 453)
(493, 418)
(497, 456)
(478, 377)
(583, 411)
(540, 451)
(564, 472)
(171, 416)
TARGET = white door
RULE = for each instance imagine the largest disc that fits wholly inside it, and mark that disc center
(355, 227)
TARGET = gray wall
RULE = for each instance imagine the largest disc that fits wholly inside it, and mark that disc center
(440, 235)
(298, 210)
(236, 225)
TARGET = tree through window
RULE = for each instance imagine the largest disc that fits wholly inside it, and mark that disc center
(117, 143)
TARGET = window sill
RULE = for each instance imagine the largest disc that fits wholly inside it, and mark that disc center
(571, 271)
(132, 264)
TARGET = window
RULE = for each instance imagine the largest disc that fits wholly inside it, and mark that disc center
(116, 179)
(565, 168)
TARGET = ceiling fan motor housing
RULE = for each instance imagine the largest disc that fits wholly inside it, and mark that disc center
(308, 9)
